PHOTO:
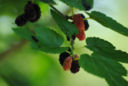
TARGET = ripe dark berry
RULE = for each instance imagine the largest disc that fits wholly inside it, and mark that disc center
(35, 39)
(86, 5)
(63, 56)
(21, 20)
(32, 11)
(85, 22)
(75, 66)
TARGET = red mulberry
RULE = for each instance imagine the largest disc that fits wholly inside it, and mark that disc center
(79, 22)
(63, 56)
(67, 63)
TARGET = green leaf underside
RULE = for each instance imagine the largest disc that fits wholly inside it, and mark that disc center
(67, 27)
(48, 37)
(24, 33)
(49, 40)
(56, 50)
(48, 1)
(106, 68)
(106, 49)
(109, 22)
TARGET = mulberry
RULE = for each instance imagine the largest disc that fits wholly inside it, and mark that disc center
(21, 20)
(78, 21)
(86, 6)
(63, 56)
(32, 11)
(67, 63)
(85, 22)
(75, 64)
(75, 67)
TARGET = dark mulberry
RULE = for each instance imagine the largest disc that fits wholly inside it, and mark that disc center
(86, 5)
(85, 22)
(75, 66)
(21, 20)
(63, 56)
(32, 11)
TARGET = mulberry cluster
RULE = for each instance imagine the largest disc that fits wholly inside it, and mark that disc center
(31, 13)
(69, 62)
(81, 24)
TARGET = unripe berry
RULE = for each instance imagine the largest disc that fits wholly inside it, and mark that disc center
(63, 56)
(79, 22)
(67, 63)
(81, 36)
(21, 20)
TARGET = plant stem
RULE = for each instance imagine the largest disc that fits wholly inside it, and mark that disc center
(58, 11)
(72, 47)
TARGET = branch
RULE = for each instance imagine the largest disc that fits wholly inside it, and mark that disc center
(13, 49)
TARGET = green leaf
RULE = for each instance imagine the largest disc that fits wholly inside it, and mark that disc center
(48, 37)
(106, 49)
(24, 33)
(109, 22)
(56, 50)
(104, 67)
(48, 1)
(67, 27)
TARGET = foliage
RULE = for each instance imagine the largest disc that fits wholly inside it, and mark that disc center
(105, 61)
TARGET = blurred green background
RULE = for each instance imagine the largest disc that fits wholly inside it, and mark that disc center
(28, 67)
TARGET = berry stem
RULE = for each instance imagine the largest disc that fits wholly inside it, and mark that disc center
(87, 18)
(72, 47)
